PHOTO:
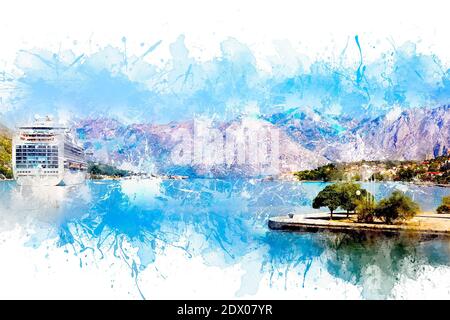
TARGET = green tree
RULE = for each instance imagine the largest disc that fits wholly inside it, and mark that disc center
(329, 197)
(349, 193)
(104, 169)
(444, 178)
(330, 172)
(398, 206)
(405, 174)
(5, 157)
(307, 175)
(377, 176)
(434, 166)
(94, 169)
(365, 208)
(444, 208)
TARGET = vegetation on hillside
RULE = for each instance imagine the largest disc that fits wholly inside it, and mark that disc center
(329, 172)
(435, 170)
(5, 157)
(98, 170)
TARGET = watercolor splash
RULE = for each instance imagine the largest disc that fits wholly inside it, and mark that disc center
(135, 88)
(222, 222)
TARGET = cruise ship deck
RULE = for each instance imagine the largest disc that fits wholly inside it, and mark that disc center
(47, 154)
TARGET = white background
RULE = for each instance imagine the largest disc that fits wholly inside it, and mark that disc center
(319, 27)
(315, 28)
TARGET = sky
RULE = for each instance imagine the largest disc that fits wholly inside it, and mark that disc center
(265, 47)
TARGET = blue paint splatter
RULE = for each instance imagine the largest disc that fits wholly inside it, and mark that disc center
(153, 216)
(106, 83)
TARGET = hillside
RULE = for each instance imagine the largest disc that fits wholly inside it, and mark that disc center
(436, 170)
(151, 147)
(412, 134)
(307, 139)
(415, 134)
(5, 153)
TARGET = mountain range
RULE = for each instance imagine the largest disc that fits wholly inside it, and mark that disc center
(307, 139)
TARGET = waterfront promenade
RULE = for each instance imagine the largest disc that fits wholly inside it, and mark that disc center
(426, 224)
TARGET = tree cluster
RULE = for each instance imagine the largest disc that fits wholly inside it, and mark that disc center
(351, 197)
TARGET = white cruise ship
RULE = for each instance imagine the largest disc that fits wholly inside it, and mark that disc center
(45, 154)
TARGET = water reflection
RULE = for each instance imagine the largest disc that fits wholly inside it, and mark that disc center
(222, 221)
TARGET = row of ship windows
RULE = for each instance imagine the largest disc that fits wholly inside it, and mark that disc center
(36, 161)
(48, 149)
(37, 139)
(75, 158)
(73, 153)
(69, 146)
(22, 155)
(33, 146)
(31, 166)
(38, 157)
(48, 155)
(52, 171)
(54, 154)
(31, 158)
(36, 150)
(44, 156)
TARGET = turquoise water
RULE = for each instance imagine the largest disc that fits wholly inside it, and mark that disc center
(221, 221)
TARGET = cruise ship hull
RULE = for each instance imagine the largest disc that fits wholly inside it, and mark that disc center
(68, 179)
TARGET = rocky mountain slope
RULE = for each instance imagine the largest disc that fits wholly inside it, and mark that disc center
(414, 134)
(245, 146)
(305, 138)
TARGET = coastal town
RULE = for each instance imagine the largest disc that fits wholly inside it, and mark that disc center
(99, 171)
(431, 171)
(360, 211)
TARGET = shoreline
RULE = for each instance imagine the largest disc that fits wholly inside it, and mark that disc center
(100, 178)
(425, 225)
(265, 179)
(418, 183)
